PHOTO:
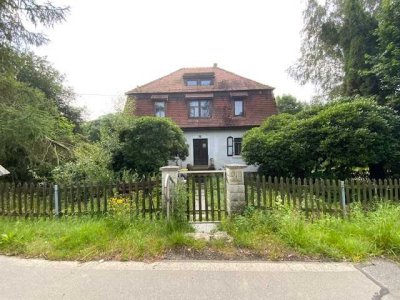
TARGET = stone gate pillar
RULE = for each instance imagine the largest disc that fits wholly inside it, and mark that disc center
(235, 197)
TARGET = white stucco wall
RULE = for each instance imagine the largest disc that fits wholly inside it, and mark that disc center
(216, 147)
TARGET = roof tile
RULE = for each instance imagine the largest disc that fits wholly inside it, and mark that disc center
(223, 81)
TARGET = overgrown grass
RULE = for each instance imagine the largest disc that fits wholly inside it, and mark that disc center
(89, 239)
(364, 235)
(278, 234)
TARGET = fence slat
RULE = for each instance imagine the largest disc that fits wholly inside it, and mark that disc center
(212, 198)
(219, 198)
(206, 196)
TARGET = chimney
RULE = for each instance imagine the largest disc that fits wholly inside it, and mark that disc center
(215, 65)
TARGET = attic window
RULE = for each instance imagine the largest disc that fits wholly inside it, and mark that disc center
(199, 82)
(191, 82)
(205, 82)
(199, 79)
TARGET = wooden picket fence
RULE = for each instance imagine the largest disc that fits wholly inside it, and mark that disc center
(318, 196)
(141, 199)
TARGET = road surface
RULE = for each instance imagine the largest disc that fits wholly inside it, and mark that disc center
(40, 279)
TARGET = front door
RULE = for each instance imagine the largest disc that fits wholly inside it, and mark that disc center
(200, 152)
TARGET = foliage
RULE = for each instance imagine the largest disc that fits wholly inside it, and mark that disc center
(289, 104)
(107, 127)
(179, 197)
(364, 235)
(337, 35)
(34, 135)
(36, 120)
(119, 207)
(38, 73)
(91, 164)
(386, 63)
(149, 144)
(327, 141)
(92, 159)
(17, 16)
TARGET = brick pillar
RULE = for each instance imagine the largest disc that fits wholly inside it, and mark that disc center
(171, 171)
(235, 197)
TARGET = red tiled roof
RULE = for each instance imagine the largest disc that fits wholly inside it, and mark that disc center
(223, 81)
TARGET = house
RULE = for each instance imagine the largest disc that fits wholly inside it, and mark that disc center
(214, 108)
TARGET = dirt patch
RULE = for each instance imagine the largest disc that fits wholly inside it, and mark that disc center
(238, 254)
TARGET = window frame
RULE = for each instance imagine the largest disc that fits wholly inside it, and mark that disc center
(199, 81)
(198, 101)
(234, 107)
(229, 146)
(164, 108)
(235, 142)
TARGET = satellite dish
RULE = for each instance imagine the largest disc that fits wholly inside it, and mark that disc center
(3, 171)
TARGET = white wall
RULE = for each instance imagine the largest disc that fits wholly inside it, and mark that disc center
(216, 147)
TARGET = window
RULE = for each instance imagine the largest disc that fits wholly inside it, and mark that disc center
(199, 82)
(238, 109)
(191, 82)
(159, 108)
(200, 109)
(205, 82)
(237, 145)
(233, 146)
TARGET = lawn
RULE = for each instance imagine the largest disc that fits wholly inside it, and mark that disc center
(279, 234)
(91, 239)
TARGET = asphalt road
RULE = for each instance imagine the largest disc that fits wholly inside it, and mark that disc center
(40, 279)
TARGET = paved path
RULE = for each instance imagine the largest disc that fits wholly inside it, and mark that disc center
(39, 279)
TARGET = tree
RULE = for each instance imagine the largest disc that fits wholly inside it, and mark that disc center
(17, 15)
(386, 63)
(329, 141)
(289, 104)
(337, 36)
(34, 136)
(38, 73)
(149, 144)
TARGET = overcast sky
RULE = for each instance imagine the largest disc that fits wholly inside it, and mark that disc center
(106, 48)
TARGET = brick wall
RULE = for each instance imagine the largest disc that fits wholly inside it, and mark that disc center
(257, 106)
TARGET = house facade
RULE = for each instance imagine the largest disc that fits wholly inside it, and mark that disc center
(214, 108)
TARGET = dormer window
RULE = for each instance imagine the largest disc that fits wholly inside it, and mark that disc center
(199, 79)
(205, 82)
(191, 82)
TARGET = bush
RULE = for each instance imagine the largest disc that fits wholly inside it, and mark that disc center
(328, 141)
(149, 144)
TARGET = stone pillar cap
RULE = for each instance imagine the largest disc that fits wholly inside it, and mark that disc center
(169, 168)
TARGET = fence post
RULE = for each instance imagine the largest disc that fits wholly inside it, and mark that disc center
(172, 171)
(343, 198)
(56, 202)
(235, 195)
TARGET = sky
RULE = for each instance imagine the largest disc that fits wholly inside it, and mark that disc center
(106, 48)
